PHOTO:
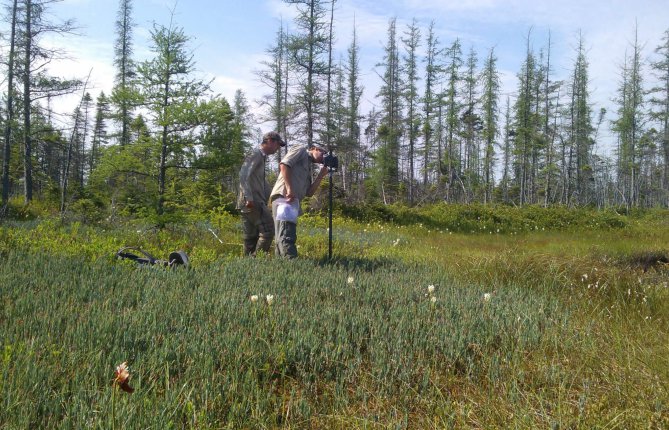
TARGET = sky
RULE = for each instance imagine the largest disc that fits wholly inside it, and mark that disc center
(229, 38)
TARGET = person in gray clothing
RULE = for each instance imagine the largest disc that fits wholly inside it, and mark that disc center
(254, 192)
(293, 184)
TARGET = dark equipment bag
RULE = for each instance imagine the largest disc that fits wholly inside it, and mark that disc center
(176, 258)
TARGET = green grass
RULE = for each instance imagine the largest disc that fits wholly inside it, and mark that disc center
(573, 334)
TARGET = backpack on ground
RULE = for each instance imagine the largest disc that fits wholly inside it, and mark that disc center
(140, 256)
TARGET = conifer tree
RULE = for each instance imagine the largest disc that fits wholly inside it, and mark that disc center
(433, 71)
(307, 50)
(9, 120)
(274, 76)
(452, 106)
(660, 110)
(411, 42)
(329, 126)
(123, 94)
(99, 138)
(352, 151)
(524, 125)
(629, 124)
(390, 128)
(507, 153)
(490, 129)
(581, 126)
(37, 83)
(471, 127)
(171, 93)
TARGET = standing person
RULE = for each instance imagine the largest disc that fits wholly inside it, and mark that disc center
(293, 184)
(254, 191)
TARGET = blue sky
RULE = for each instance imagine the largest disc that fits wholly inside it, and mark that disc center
(230, 37)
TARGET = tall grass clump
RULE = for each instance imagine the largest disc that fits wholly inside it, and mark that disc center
(435, 317)
(250, 343)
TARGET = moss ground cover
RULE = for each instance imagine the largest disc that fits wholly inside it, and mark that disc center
(553, 328)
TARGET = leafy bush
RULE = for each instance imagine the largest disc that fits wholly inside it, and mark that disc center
(475, 218)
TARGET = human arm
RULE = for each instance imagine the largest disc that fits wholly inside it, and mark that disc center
(286, 172)
(317, 182)
(245, 173)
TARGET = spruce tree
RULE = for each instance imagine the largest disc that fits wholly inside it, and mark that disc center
(471, 127)
(524, 127)
(629, 125)
(433, 72)
(452, 105)
(123, 94)
(274, 75)
(411, 42)
(581, 127)
(9, 120)
(307, 49)
(99, 138)
(660, 110)
(390, 128)
(353, 157)
(171, 94)
(490, 129)
(37, 83)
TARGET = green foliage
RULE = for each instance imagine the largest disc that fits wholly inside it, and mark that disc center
(485, 219)
(226, 360)
(347, 342)
(90, 210)
(126, 177)
(37, 209)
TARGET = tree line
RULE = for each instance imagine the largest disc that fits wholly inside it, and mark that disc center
(161, 142)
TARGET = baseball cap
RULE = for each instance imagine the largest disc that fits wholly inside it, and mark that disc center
(273, 135)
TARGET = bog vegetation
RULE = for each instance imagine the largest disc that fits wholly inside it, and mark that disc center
(439, 129)
(492, 269)
(441, 317)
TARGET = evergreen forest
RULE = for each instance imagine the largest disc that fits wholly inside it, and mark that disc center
(440, 130)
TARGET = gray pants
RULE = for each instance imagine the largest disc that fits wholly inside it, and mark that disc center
(286, 236)
(258, 229)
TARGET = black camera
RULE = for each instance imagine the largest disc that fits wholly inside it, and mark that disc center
(331, 161)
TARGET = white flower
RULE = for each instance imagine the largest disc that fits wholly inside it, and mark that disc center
(269, 298)
(254, 298)
(433, 299)
(430, 289)
(487, 297)
(350, 280)
(584, 277)
(122, 376)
